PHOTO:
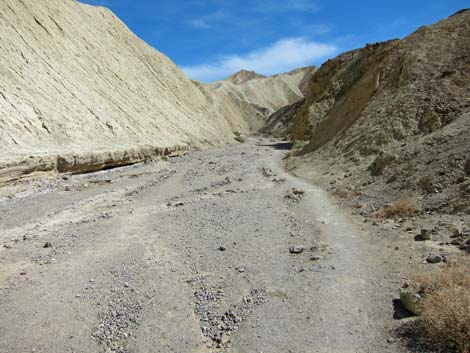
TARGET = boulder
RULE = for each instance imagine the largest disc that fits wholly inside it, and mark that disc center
(411, 300)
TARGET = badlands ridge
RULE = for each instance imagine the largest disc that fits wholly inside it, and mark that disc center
(80, 92)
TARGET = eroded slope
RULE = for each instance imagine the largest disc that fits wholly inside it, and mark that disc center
(393, 118)
(267, 94)
(76, 83)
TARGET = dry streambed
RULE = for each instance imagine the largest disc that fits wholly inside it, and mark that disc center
(214, 251)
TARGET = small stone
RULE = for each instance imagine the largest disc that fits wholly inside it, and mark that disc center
(48, 245)
(457, 231)
(126, 285)
(456, 242)
(434, 259)
(297, 249)
(22, 273)
(225, 341)
(465, 247)
(315, 258)
(425, 235)
(222, 248)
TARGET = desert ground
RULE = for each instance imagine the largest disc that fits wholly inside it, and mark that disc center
(213, 251)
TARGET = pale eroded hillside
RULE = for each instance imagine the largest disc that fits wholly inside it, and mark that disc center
(76, 83)
(267, 94)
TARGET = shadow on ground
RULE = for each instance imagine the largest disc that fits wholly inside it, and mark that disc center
(413, 334)
(399, 311)
(282, 146)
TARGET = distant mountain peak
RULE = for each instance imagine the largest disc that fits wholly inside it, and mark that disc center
(243, 76)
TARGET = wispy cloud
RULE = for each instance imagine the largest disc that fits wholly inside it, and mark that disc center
(270, 6)
(303, 5)
(199, 23)
(208, 20)
(284, 55)
(305, 28)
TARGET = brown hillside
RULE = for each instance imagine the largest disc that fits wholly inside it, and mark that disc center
(393, 119)
(390, 91)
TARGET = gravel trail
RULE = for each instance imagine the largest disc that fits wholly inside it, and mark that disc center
(215, 251)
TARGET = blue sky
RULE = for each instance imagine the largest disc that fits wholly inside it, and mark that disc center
(211, 39)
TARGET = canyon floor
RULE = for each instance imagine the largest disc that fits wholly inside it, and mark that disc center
(214, 251)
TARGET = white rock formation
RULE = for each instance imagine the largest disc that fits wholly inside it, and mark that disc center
(79, 92)
(269, 94)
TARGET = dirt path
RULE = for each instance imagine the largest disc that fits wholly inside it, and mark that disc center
(190, 255)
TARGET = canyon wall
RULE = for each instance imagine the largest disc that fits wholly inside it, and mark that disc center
(79, 91)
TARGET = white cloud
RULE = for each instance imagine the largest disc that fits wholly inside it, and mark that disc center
(207, 21)
(273, 6)
(284, 55)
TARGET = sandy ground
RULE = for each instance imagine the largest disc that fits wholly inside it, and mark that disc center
(192, 255)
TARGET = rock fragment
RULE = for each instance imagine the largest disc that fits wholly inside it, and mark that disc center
(381, 163)
(295, 194)
(434, 259)
(424, 235)
(296, 249)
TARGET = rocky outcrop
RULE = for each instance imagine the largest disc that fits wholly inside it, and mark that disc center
(280, 124)
(393, 114)
(77, 85)
(265, 94)
(389, 92)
